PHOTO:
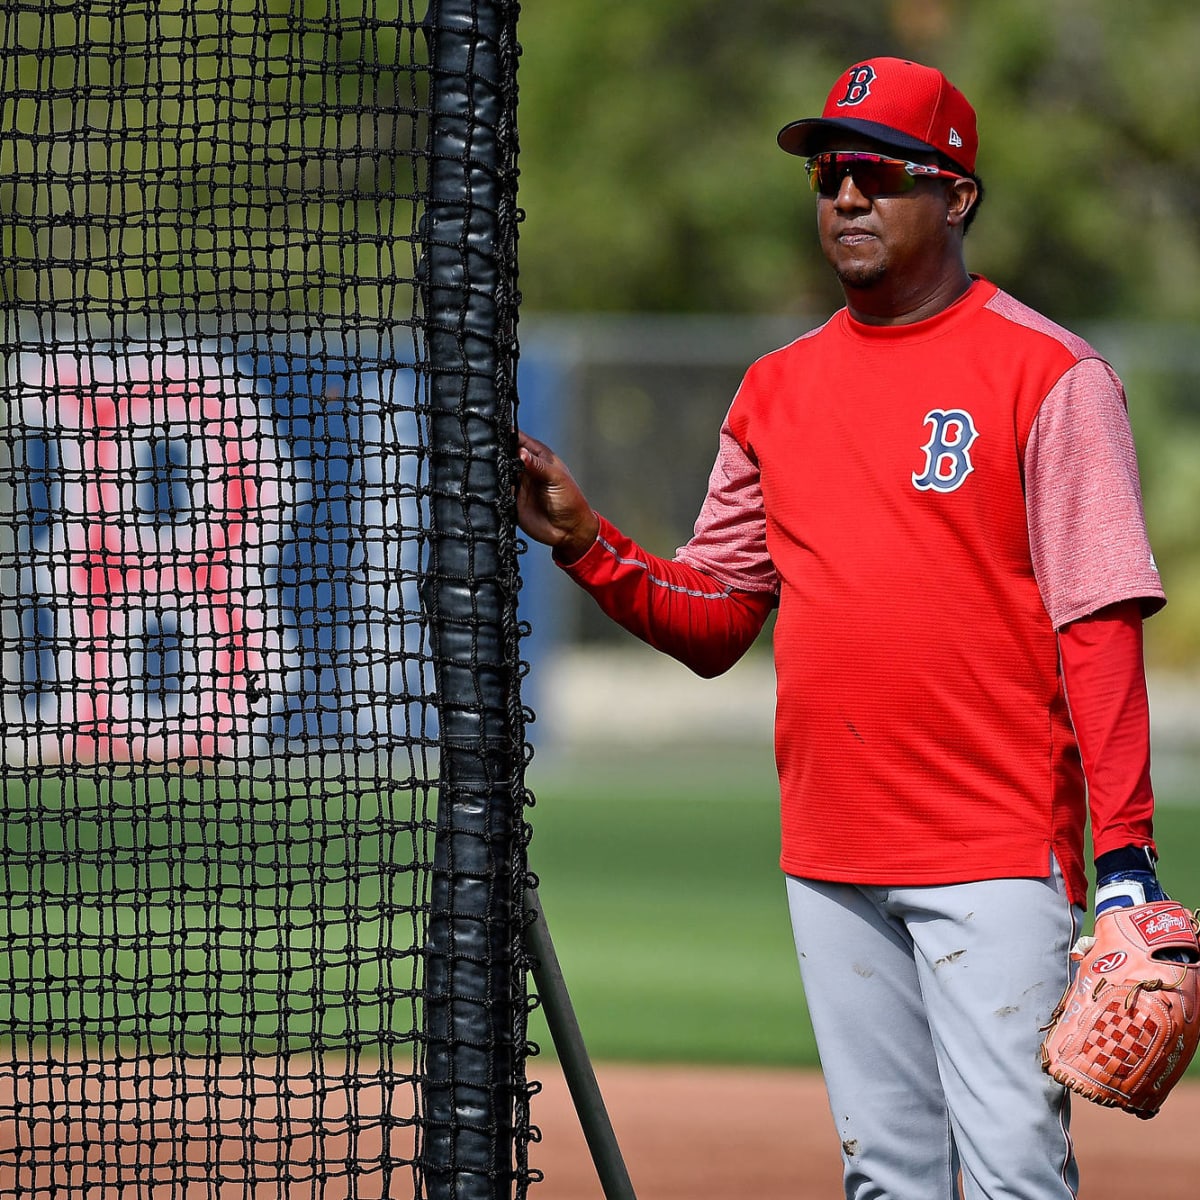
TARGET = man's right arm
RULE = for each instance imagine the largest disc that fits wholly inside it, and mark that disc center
(682, 611)
(704, 622)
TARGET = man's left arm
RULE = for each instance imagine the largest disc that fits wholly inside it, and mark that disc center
(1092, 559)
(1105, 679)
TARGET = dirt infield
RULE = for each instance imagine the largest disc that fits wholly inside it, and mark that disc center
(690, 1133)
(264, 1129)
(199, 1129)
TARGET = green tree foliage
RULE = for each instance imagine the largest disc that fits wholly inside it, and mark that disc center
(652, 182)
(252, 154)
(263, 156)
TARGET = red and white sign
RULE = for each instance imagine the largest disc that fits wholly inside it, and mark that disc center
(169, 509)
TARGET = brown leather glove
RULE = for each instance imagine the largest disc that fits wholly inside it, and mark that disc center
(1128, 1024)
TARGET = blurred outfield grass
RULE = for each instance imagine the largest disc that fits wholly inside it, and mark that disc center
(660, 883)
(658, 875)
(193, 913)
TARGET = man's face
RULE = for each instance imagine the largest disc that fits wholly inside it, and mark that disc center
(901, 238)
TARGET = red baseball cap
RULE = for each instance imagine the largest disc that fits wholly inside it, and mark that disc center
(897, 102)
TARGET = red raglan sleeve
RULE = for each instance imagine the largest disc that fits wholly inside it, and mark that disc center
(707, 605)
(1105, 680)
(682, 611)
(1087, 528)
(1092, 559)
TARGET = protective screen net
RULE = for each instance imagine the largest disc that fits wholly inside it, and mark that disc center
(229, 466)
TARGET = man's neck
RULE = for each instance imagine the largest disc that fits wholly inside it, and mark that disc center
(882, 304)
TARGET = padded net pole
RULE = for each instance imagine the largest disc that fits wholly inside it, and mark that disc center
(474, 1007)
(228, 551)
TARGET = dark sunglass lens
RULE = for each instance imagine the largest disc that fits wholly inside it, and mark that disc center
(870, 178)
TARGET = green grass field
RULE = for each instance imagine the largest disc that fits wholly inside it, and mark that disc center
(659, 880)
(201, 912)
(661, 888)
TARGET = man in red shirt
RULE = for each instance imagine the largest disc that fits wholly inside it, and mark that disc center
(938, 489)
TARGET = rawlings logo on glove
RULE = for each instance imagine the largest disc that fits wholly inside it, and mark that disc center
(1158, 925)
(1128, 1025)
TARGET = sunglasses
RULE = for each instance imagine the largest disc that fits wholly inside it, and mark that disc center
(873, 174)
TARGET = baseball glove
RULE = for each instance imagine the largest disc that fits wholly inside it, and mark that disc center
(1127, 1026)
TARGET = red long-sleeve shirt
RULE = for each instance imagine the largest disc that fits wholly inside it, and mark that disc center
(949, 516)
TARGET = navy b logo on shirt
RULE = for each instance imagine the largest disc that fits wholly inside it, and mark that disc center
(948, 451)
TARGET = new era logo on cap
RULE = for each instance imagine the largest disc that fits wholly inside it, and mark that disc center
(894, 101)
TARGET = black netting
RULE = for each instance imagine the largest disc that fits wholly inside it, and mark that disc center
(262, 850)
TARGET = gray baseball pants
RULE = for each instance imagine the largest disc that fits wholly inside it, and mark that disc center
(927, 1004)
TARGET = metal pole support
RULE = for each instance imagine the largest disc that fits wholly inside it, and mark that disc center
(573, 1055)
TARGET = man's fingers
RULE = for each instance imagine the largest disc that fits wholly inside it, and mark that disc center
(533, 463)
(536, 456)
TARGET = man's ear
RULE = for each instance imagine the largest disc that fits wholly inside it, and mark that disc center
(961, 199)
